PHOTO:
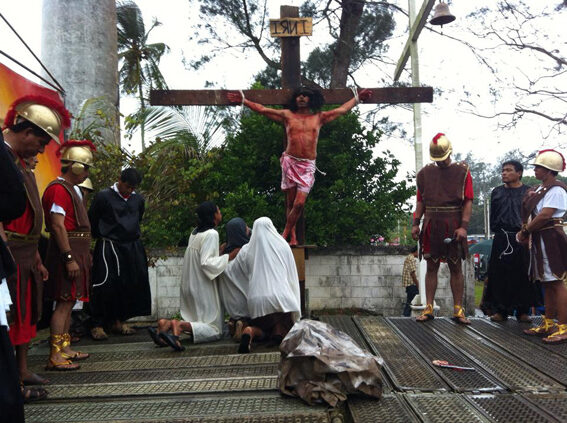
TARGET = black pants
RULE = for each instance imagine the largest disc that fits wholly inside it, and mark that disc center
(11, 400)
(411, 292)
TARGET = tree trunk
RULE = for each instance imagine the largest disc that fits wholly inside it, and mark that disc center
(350, 19)
(142, 106)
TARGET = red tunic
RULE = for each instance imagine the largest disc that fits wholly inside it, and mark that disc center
(57, 194)
(24, 286)
(76, 222)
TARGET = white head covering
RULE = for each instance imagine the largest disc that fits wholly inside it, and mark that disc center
(274, 283)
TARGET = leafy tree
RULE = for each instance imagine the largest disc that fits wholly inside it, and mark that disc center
(357, 30)
(357, 197)
(506, 32)
(139, 71)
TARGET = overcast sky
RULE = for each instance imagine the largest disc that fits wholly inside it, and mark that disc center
(444, 64)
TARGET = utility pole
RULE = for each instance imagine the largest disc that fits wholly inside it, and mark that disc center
(416, 24)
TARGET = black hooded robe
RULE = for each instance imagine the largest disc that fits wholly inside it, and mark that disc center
(120, 284)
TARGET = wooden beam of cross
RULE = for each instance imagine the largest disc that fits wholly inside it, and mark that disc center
(281, 97)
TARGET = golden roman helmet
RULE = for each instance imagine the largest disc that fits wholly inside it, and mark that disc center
(550, 159)
(77, 153)
(440, 148)
(44, 112)
(87, 184)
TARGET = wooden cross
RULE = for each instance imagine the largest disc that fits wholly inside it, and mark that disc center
(289, 27)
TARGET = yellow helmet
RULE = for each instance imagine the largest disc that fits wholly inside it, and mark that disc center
(550, 159)
(439, 148)
(47, 114)
(87, 184)
(77, 153)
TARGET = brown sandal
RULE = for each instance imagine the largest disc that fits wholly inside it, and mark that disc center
(98, 334)
(426, 314)
(33, 394)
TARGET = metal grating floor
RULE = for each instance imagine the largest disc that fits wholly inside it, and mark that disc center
(516, 380)
(444, 408)
(260, 407)
(346, 324)
(512, 372)
(432, 347)
(402, 364)
(522, 347)
(506, 408)
(390, 408)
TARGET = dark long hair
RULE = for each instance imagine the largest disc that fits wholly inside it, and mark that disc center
(236, 235)
(205, 216)
(316, 99)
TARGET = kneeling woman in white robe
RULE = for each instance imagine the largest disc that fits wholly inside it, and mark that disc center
(200, 304)
(233, 282)
(273, 291)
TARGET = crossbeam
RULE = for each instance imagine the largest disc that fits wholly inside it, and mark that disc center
(388, 95)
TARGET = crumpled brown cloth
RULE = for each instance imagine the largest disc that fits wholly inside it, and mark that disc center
(321, 363)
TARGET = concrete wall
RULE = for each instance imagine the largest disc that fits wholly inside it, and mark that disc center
(368, 278)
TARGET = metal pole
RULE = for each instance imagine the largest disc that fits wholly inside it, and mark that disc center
(416, 132)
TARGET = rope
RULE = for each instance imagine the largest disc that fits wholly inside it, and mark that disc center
(355, 93)
(509, 249)
(105, 262)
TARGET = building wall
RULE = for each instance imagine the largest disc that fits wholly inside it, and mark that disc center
(368, 278)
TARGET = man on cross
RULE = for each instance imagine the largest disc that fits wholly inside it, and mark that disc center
(302, 121)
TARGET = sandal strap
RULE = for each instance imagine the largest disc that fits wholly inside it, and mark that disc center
(561, 330)
(459, 311)
(428, 310)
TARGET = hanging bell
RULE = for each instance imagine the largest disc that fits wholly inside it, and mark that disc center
(442, 15)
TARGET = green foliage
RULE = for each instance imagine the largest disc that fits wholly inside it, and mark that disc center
(357, 197)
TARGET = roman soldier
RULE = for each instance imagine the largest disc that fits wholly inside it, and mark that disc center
(68, 253)
(30, 124)
(444, 197)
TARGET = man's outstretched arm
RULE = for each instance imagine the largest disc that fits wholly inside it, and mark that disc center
(345, 107)
(277, 115)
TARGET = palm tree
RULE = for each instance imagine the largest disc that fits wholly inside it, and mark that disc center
(139, 71)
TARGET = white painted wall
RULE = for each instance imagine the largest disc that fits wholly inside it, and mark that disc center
(336, 278)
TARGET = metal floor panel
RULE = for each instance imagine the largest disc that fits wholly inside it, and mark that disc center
(145, 345)
(257, 408)
(166, 352)
(176, 362)
(512, 372)
(445, 408)
(517, 328)
(346, 325)
(554, 404)
(73, 378)
(553, 365)
(506, 408)
(390, 408)
(404, 367)
(106, 390)
(432, 347)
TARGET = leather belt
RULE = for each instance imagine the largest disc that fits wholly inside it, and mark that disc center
(14, 236)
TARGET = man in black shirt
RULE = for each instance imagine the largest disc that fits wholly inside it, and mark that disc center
(508, 287)
(121, 288)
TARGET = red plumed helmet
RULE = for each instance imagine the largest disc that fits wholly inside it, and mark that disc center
(47, 114)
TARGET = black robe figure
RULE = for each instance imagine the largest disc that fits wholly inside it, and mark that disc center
(120, 285)
(12, 205)
(509, 289)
